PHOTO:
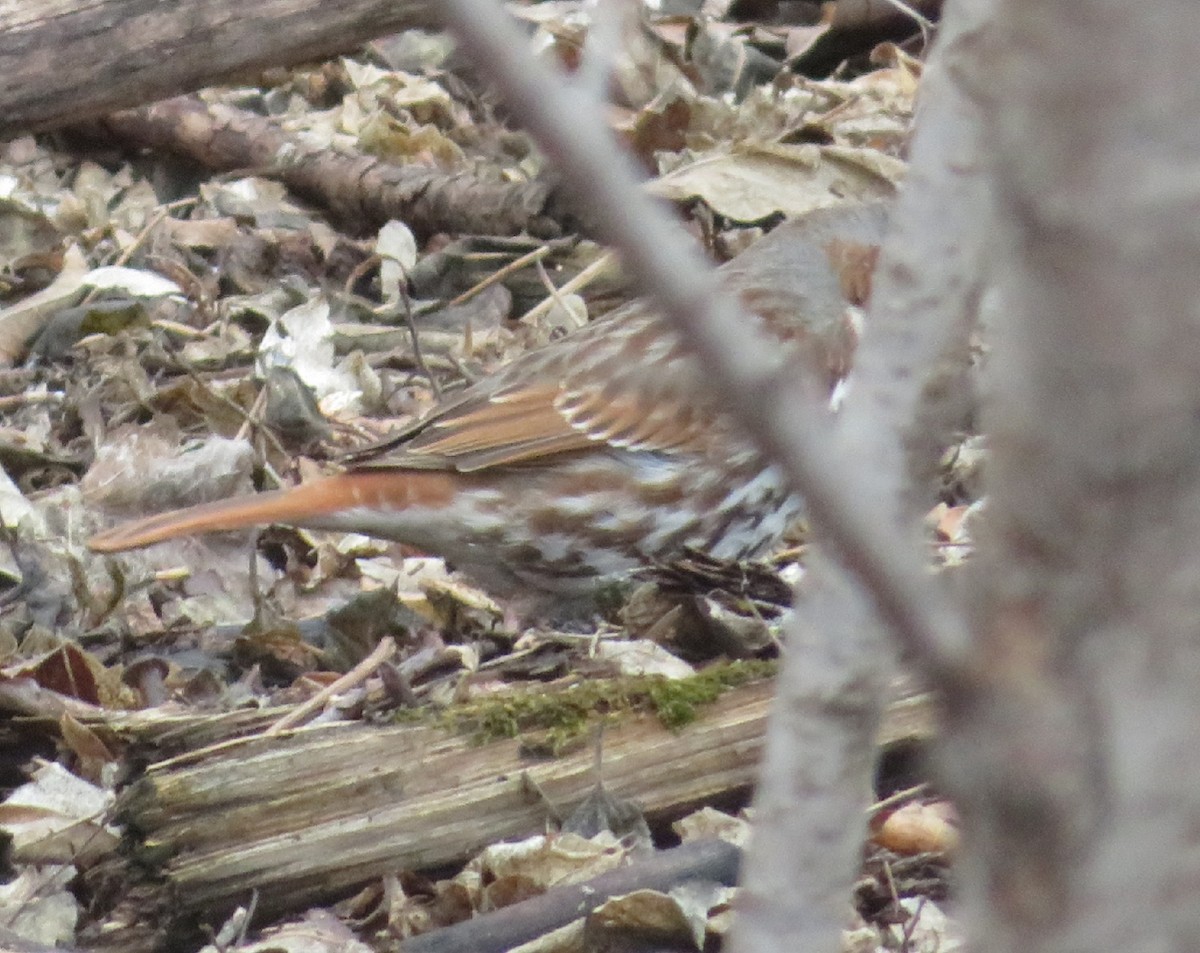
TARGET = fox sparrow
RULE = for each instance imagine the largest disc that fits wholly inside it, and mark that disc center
(593, 455)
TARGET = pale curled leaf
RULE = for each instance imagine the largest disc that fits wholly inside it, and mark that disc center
(751, 182)
(397, 247)
(131, 281)
(38, 907)
(58, 818)
(21, 321)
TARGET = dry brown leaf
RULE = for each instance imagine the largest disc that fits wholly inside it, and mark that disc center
(918, 829)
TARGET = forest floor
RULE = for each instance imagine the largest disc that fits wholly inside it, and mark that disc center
(299, 739)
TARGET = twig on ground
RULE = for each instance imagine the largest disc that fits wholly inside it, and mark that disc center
(298, 715)
(580, 281)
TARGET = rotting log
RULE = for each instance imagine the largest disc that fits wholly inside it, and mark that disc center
(306, 816)
(358, 191)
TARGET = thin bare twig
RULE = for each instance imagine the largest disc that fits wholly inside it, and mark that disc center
(298, 715)
(908, 794)
(580, 281)
(501, 273)
(923, 22)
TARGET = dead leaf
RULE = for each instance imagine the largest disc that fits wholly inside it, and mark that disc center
(918, 828)
(21, 321)
(751, 182)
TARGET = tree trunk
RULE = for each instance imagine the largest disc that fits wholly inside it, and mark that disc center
(1073, 735)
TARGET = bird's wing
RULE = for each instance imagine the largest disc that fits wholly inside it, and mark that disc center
(626, 380)
(575, 399)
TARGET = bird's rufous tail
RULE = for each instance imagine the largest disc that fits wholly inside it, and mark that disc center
(303, 505)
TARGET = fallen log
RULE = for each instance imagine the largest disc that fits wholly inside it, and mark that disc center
(62, 61)
(303, 817)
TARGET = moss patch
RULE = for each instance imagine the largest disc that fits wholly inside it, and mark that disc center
(562, 716)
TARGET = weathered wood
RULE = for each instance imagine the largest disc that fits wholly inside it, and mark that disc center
(306, 816)
(62, 60)
(359, 191)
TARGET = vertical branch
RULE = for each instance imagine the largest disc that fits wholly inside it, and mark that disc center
(817, 771)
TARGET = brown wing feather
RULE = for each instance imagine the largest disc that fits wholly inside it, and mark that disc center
(483, 430)
(554, 402)
(529, 424)
(665, 425)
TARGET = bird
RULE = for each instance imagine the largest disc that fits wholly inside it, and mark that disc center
(595, 455)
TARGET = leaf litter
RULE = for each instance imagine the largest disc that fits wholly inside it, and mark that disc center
(168, 336)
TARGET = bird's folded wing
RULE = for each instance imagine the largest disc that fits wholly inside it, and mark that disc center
(527, 425)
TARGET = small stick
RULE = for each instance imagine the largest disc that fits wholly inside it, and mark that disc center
(383, 651)
(499, 275)
(581, 280)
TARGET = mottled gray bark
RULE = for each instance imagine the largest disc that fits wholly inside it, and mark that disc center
(1072, 744)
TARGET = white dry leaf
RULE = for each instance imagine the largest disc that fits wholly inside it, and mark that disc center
(670, 919)
(207, 233)
(251, 190)
(266, 305)
(359, 545)
(265, 203)
(408, 576)
(367, 379)
(137, 203)
(16, 511)
(143, 467)
(324, 238)
(348, 120)
(455, 591)
(791, 573)
(468, 657)
(567, 313)
(419, 94)
(697, 900)
(643, 657)
(131, 282)
(397, 249)
(319, 931)
(400, 89)
(302, 339)
(708, 823)
(552, 860)
(97, 190)
(972, 519)
(37, 906)
(862, 938)
(58, 818)
(928, 931)
(362, 74)
(19, 323)
(720, 914)
(214, 350)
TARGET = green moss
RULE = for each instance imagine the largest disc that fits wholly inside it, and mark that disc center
(676, 700)
(553, 719)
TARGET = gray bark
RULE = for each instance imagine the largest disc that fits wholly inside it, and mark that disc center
(61, 60)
